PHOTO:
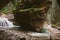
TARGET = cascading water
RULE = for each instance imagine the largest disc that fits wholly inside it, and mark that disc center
(5, 23)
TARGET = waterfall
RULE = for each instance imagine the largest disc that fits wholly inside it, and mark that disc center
(5, 23)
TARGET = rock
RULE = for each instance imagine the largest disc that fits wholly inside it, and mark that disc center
(13, 34)
(32, 18)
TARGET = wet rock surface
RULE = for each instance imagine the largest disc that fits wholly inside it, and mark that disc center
(9, 34)
(13, 34)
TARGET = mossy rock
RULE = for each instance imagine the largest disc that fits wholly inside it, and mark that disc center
(30, 19)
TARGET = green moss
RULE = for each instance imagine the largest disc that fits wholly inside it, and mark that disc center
(56, 25)
(29, 9)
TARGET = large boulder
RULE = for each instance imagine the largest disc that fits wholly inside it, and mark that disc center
(32, 18)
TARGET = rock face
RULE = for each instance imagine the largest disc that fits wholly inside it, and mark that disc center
(31, 14)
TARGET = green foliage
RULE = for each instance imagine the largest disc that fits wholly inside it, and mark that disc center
(5, 9)
(56, 24)
(10, 6)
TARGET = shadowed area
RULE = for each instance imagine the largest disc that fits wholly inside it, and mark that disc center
(3, 3)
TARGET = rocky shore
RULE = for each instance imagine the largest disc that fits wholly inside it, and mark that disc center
(14, 34)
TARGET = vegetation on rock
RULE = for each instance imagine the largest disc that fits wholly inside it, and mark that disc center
(31, 14)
